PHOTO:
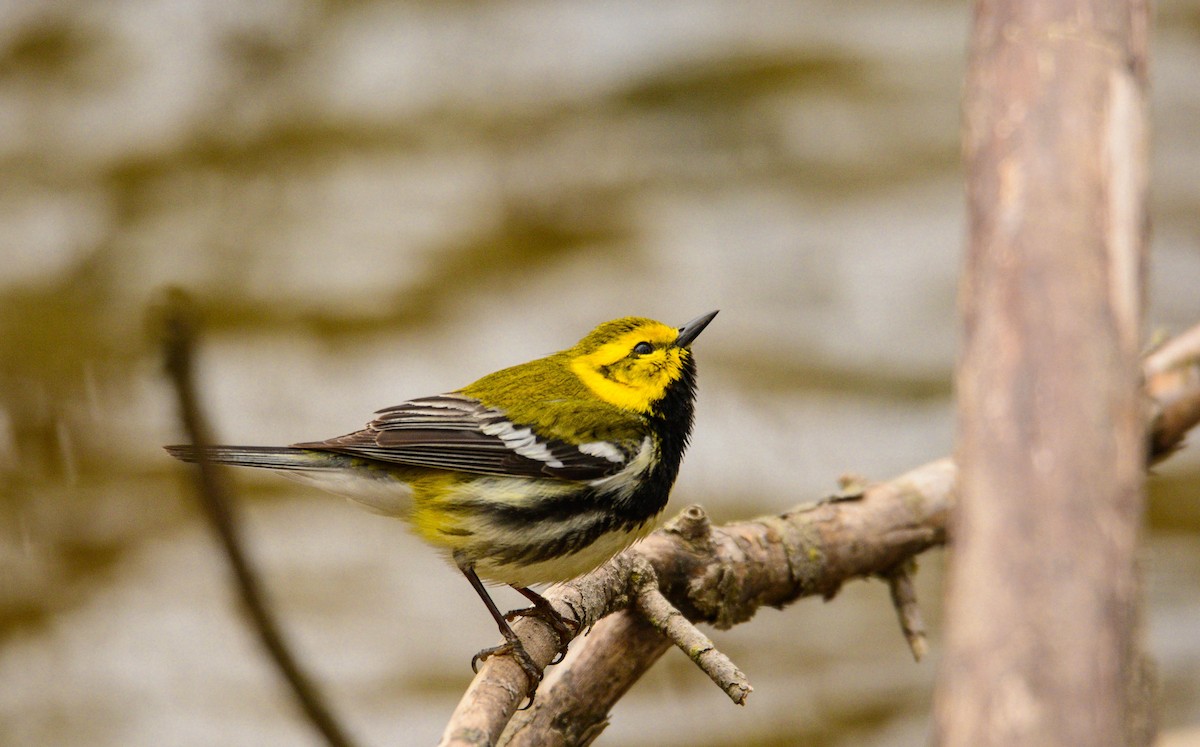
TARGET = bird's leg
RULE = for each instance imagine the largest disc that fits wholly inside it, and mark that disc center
(512, 644)
(564, 627)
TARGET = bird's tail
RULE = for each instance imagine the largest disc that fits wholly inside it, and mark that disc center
(374, 489)
(266, 457)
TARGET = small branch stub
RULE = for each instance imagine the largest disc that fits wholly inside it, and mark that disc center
(904, 599)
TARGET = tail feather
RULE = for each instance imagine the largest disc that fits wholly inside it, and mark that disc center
(267, 457)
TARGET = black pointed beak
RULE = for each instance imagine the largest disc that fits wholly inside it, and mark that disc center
(692, 329)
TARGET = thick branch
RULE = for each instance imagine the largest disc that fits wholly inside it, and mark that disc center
(572, 709)
(720, 575)
(1041, 613)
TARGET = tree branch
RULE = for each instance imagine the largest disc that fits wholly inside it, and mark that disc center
(720, 575)
(1172, 374)
(178, 343)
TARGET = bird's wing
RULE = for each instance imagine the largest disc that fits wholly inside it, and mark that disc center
(456, 432)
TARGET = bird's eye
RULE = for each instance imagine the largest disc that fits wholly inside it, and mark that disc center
(643, 348)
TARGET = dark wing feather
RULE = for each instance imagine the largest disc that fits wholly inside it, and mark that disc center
(456, 432)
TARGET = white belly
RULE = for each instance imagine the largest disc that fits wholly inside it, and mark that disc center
(563, 568)
(377, 492)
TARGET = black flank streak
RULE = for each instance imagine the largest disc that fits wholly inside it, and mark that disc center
(670, 422)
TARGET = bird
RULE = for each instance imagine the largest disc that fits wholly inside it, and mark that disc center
(534, 474)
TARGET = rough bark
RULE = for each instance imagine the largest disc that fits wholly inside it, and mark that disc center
(1042, 592)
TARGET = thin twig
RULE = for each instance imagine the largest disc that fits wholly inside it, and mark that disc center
(1182, 350)
(1172, 374)
(178, 342)
(669, 621)
(904, 599)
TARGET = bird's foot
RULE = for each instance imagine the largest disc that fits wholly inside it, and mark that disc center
(564, 627)
(513, 646)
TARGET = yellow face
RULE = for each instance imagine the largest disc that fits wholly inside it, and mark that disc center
(630, 362)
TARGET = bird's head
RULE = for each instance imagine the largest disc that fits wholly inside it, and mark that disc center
(633, 362)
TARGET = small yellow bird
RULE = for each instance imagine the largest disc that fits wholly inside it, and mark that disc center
(537, 473)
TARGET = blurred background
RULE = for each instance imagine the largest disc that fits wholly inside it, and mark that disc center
(372, 201)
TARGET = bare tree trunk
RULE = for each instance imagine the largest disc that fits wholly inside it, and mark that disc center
(1041, 617)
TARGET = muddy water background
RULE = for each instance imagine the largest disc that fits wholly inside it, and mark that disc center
(373, 201)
